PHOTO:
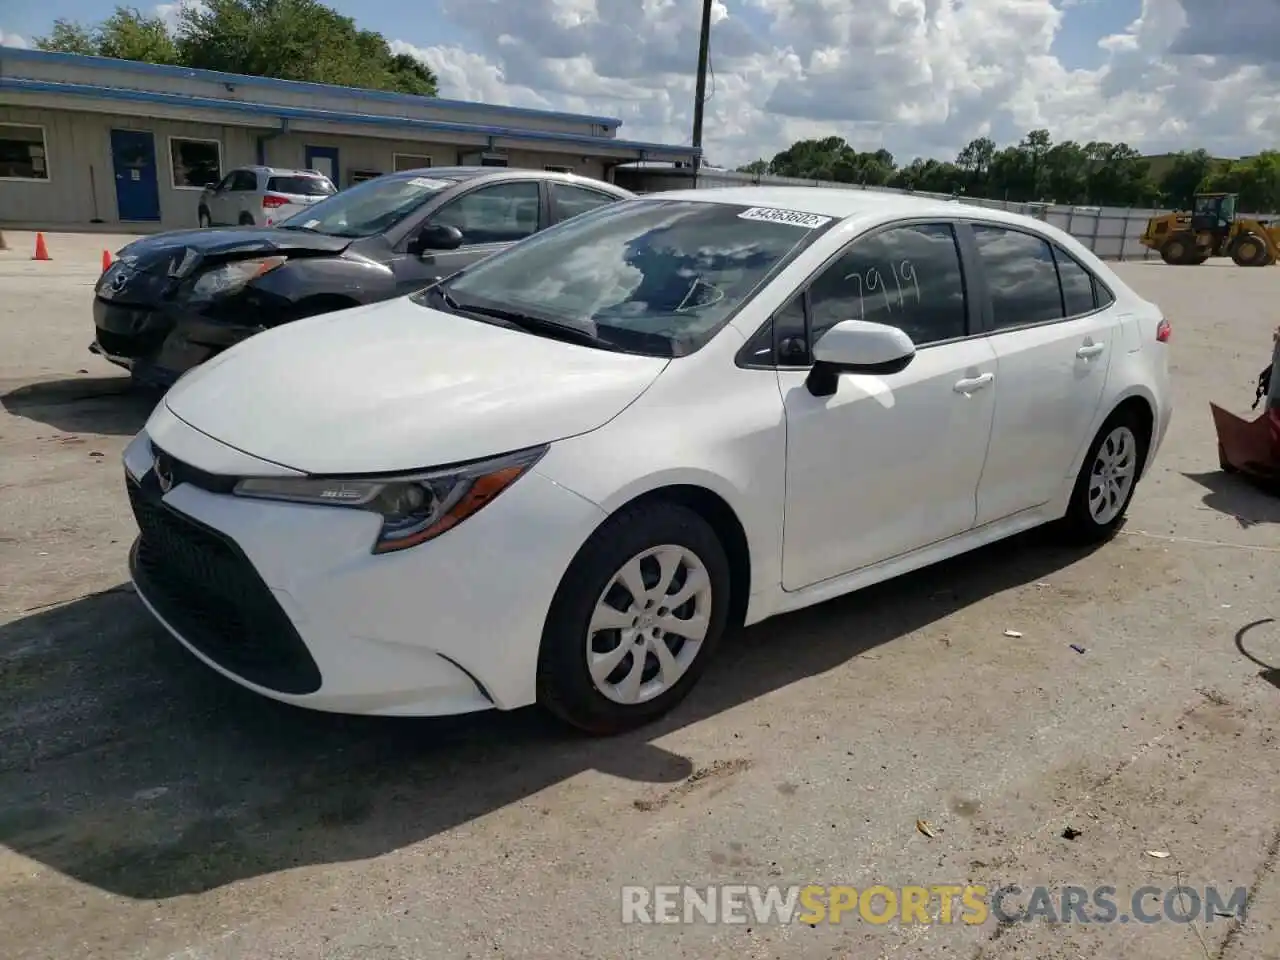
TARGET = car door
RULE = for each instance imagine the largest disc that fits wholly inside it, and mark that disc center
(569, 200)
(890, 462)
(216, 202)
(1053, 346)
(491, 217)
(244, 201)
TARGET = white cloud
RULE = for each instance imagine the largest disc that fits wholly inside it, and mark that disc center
(12, 40)
(920, 77)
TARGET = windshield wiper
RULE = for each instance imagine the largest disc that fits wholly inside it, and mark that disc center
(532, 324)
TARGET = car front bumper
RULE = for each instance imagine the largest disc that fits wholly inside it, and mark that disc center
(288, 600)
(158, 346)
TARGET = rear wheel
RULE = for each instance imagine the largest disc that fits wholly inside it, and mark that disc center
(1249, 250)
(246, 220)
(1107, 479)
(635, 620)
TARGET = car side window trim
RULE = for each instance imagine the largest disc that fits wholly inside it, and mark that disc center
(988, 310)
(973, 321)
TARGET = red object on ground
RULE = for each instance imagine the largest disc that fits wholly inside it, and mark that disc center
(106, 260)
(42, 251)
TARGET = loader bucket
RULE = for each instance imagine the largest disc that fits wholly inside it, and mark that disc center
(1250, 447)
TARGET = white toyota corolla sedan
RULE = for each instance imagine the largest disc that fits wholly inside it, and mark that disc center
(563, 474)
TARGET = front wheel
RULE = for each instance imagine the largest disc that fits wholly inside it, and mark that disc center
(635, 620)
(205, 222)
(1106, 482)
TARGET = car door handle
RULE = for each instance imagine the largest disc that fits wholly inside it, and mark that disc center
(970, 384)
(1090, 350)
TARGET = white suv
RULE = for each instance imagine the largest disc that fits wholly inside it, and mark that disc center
(262, 196)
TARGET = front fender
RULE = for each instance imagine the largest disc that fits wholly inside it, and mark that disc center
(302, 278)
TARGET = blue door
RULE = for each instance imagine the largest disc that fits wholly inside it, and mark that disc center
(133, 158)
(323, 160)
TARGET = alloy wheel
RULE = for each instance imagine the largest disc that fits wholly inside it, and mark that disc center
(1115, 468)
(649, 624)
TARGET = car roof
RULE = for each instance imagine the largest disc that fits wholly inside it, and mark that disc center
(461, 174)
(843, 202)
(277, 171)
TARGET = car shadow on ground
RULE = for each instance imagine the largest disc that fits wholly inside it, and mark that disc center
(101, 405)
(128, 765)
(1270, 665)
(1238, 498)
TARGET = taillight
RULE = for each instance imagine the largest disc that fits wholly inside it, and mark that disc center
(271, 201)
(1163, 330)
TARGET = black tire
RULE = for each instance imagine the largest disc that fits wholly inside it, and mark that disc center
(246, 220)
(1249, 250)
(204, 219)
(1175, 251)
(565, 686)
(1079, 525)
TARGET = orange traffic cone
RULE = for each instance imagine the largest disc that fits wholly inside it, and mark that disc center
(106, 260)
(42, 252)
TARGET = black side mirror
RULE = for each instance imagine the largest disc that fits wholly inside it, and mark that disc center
(436, 236)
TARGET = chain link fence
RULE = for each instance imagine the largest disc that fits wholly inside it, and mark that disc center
(1110, 232)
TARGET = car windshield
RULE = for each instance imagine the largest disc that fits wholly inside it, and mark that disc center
(368, 208)
(301, 186)
(647, 275)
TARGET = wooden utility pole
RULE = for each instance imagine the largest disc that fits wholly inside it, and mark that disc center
(700, 91)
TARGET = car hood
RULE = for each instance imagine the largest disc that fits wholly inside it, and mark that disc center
(396, 386)
(149, 270)
(232, 240)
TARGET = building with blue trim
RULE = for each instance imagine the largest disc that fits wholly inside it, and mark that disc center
(95, 140)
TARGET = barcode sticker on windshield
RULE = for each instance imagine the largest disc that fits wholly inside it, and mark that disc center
(793, 217)
(428, 183)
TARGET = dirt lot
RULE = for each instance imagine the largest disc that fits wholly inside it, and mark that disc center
(149, 809)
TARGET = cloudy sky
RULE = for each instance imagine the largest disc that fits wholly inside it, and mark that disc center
(920, 77)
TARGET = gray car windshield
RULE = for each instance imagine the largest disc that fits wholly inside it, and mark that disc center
(652, 276)
(368, 208)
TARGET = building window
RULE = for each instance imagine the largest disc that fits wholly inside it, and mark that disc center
(22, 153)
(196, 163)
(556, 168)
(409, 161)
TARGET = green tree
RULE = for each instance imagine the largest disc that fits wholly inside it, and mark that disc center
(1186, 175)
(128, 34)
(295, 40)
(1256, 179)
(288, 39)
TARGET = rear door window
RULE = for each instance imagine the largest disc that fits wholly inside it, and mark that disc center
(245, 180)
(1021, 275)
(1077, 284)
(570, 201)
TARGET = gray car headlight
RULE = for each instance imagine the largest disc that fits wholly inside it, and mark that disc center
(232, 276)
(414, 507)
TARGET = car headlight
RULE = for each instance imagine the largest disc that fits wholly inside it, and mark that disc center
(232, 276)
(414, 507)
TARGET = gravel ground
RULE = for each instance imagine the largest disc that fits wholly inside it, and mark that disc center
(148, 809)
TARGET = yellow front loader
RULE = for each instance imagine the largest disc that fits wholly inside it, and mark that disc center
(1212, 229)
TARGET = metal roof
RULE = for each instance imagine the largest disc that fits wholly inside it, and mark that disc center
(293, 86)
(286, 113)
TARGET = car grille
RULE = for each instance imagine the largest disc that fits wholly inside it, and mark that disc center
(204, 586)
